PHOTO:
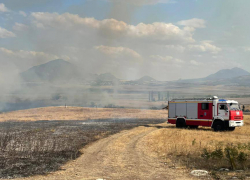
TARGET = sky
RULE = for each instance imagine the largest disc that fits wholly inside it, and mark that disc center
(165, 39)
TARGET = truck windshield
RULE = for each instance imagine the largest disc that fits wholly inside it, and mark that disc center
(234, 106)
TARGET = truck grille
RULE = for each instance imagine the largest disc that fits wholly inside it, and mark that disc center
(237, 117)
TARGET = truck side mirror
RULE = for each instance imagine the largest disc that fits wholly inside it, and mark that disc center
(226, 108)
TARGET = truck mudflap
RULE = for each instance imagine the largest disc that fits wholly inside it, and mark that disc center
(236, 123)
(171, 120)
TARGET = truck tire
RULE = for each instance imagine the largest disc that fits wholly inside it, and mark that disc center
(231, 128)
(180, 123)
(218, 126)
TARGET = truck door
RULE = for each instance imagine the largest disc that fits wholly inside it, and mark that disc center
(205, 113)
(223, 111)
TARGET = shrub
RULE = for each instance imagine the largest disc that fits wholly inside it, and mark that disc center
(242, 158)
(231, 153)
(217, 153)
(92, 104)
(206, 154)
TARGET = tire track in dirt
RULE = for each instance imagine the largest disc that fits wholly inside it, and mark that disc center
(116, 157)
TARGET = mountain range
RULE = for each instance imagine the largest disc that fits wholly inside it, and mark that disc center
(58, 71)
(53, 71)
(223, 77)
(146, 79)
(227, 74)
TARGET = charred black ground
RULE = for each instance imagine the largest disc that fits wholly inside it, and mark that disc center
(40, 147)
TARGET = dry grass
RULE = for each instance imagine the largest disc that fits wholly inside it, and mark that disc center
(30, 146)
(78, 113)
(185, 146)
(178, 147)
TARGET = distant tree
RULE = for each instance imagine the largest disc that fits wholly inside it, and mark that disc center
(92, 104)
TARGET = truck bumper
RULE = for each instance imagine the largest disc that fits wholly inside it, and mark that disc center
(236, 123)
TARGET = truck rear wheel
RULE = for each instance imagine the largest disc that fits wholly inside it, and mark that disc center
(231, 128)
(218, 126)
(180, 123)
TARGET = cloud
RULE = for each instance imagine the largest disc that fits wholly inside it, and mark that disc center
(15, 61)
(3, 8)
(194, 23)
(118, 45)
(202, 47)
(193, 62)
(178, 48)
(20, 27)
(246, 49)
(166, 59)
(166, 32)
(205, 46)
(23, 13)
(108, 45)
(21, 60)
(118, 51)
(27, 54)
(4, 33)
(67, 20)
(141, 2)
(111, 28)
(161, 58)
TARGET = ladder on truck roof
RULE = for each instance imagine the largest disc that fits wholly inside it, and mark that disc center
(193, 99)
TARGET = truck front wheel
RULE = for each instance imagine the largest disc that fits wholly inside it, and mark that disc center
(231, 128)
(218, 126)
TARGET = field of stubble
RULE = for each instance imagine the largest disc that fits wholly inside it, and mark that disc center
(40, 141)
(87, 143)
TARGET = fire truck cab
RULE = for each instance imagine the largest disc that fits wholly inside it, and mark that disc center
(219, 114)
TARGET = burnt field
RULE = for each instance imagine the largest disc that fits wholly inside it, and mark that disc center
(40, 147)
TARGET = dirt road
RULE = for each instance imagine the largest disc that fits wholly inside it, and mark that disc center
(119, 156)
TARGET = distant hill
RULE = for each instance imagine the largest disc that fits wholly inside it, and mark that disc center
(90, 77)
(236, 81)
(227, 74)
(54, 71)
(58, 71)
(106, 77)
(242, 80)
(224, 76)
(146, 79)
(102, 79)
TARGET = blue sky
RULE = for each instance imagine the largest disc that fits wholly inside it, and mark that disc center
(129, 38)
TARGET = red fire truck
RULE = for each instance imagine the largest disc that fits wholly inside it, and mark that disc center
(219, 114)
